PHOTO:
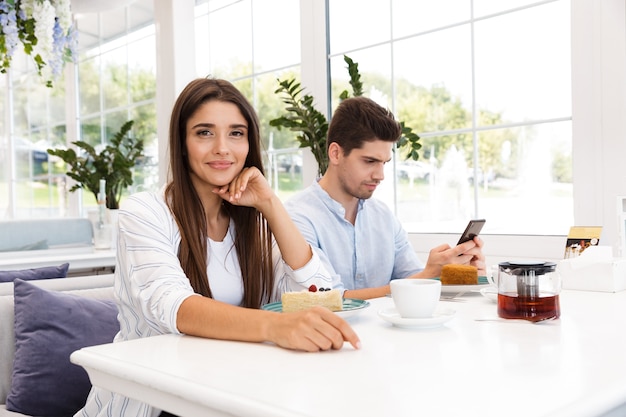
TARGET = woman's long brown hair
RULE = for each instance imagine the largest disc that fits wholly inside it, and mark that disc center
(253, 239)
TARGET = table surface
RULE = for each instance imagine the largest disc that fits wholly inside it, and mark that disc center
(574, 366)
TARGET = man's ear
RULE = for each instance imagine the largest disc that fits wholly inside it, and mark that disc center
(334, 152)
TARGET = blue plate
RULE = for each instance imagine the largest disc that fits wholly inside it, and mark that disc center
(483, 282)
(351, 306)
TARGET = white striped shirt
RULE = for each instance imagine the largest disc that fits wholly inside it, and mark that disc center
(150, 285)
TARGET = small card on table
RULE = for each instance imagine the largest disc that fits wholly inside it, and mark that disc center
(580, 238)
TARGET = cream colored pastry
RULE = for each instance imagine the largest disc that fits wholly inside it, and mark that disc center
(301, 300)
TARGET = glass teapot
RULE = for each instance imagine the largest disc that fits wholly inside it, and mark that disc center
(528, 290)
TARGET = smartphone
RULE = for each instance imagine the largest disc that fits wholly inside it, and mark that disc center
(472, 230)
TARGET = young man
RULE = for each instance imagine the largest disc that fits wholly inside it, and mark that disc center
(359, 238)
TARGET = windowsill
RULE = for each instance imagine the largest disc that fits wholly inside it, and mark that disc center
(498, 248)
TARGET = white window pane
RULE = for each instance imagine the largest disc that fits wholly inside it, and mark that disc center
(115, 77)
(89, 86)
(523, 182)
(276, 38)
(411, 17)
(440, 63)
(487, 7)
(375, 70)
(523, 63)
(532, 190)
(353, 26)
(229, 45)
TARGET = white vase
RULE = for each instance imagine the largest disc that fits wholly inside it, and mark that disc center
(104, 233)
(101, 230)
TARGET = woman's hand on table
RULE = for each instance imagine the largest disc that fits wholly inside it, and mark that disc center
(311, 330)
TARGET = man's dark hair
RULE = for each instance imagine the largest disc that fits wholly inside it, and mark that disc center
(360, 119)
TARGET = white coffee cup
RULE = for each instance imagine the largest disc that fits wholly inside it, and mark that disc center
(415, 297)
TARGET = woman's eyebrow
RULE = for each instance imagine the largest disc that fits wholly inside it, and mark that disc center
(232, 126)
(203, 124)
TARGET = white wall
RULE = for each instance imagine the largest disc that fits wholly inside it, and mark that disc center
(599, 113)
(175, 38)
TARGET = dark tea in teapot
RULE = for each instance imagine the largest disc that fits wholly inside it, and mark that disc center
(528, 291)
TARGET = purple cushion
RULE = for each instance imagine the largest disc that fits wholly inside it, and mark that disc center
(49, 326)
(45, 272)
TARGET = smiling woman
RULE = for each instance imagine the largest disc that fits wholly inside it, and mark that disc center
(202, 256)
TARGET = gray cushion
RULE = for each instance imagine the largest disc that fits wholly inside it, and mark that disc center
(94, 286)
(44, 382)
(45, 272)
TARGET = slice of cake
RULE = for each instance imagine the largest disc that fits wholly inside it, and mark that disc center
(453, 274)
(301, 300)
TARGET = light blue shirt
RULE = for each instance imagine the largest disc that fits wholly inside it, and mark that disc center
(367, 254)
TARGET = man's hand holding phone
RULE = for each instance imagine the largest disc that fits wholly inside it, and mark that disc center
(444, 254)
(472, 230)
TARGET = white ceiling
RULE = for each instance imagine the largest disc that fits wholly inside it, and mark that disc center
(97, 27)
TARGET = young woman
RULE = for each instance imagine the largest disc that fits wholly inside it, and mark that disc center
(201, 257)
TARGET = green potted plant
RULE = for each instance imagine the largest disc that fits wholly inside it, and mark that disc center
(113, 164)
(312, 126)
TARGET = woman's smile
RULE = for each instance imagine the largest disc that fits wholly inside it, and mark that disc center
(220, 164)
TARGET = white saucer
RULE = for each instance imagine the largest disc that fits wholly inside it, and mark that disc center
(490, 293)
(438, 319)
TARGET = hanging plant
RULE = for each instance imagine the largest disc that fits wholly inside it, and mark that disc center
(43, 29)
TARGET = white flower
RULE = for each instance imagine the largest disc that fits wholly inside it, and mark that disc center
(45, 30)
(43, 13)
(63, 14)
(10, 39)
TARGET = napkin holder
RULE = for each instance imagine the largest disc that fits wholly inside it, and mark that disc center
(594, 270)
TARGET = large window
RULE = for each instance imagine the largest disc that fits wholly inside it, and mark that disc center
(113, 81)
(33, 120)
(117, 82)
(487, 86)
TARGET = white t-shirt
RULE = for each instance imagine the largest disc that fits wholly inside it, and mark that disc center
(223, 270)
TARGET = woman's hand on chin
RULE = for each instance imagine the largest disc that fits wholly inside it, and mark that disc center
(249, 188)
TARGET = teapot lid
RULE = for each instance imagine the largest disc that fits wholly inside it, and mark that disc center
(523, 268)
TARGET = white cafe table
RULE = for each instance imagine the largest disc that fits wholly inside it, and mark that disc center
(571, 367)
